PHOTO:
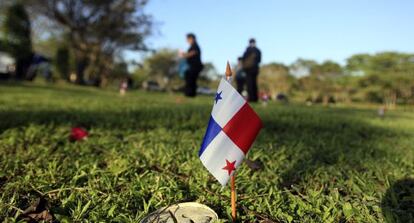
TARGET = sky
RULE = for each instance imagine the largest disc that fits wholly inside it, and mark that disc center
(284, 30)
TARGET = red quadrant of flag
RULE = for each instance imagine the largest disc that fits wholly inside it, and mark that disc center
(243, 128)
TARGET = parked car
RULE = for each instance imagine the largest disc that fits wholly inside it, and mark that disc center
(7, 65)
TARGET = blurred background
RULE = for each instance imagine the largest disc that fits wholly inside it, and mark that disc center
(313, 51)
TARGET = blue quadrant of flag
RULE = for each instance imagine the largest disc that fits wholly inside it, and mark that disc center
(212, 130)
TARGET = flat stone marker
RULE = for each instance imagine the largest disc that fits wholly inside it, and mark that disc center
(190, 212)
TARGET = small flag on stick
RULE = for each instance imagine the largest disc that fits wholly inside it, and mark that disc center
(232, 128)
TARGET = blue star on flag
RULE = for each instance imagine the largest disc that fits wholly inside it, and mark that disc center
(218, 96)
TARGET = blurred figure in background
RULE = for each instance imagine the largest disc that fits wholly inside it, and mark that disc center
(381, 111)
(240, 76)
(193, 57)
(265, 97)
(251, 60)
(123, 87)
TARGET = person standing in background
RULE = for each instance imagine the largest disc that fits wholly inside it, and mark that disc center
(195, 66)
(123, 87)
(240, 76)
(251, 60)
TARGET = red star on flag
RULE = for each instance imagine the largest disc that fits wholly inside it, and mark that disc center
(230, 166)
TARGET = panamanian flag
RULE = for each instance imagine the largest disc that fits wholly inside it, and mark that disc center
(232, 128)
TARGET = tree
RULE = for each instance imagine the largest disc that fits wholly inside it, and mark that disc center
(62, 59)
(388, 77)
(302, 67)
(2, 45)
(358, 63)
(321, 83)
(209, 76)
(160, 66)
(98, 30)
(17, 42)
(380, 63)
(328, 69)
(312, 87)
(209, 72)
(275, 78)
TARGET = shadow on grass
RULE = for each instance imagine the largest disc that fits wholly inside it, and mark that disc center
(178, 117)
(398, 202)
(68, 89)
(317, 138)
(323, 138)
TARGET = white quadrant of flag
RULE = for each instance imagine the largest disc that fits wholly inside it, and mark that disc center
(232, 128)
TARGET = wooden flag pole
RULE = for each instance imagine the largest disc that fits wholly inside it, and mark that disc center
(233, 177)
(233, 197)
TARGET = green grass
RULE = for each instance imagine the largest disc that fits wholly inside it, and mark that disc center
(336, 164)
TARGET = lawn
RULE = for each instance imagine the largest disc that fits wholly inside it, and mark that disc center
(318, 164)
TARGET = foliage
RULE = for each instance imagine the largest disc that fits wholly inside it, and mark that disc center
(389, 74)
(17, 37)
(98, 30)
(209, 72)
(62, 60)
(302, 67)
(160, 66)
(327, 69)
(382, 63)
(275, 78)
(120, 70)
(381, 78)
(17, 31)
(320, 164)
(209, 76)
(162, 63)
(2, 45)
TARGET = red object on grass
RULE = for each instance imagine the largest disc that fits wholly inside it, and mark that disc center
(78, 134)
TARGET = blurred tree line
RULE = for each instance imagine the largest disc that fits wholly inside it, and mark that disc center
(161, 67)
(386, 77)
(87, 38)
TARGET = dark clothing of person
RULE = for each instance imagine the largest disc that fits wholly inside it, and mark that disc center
(251, 82)
(240, 85)
(195, 61)
(240, 80)
(251, 60)
(193, 71)
(191, 76)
